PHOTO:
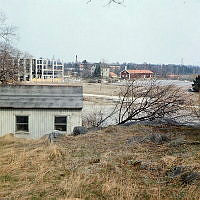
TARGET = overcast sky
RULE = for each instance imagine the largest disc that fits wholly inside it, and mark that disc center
(152, 31)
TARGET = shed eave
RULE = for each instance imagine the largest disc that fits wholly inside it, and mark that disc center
(52, 108)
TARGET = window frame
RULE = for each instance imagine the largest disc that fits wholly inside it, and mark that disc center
(22, 131)
(61, 123)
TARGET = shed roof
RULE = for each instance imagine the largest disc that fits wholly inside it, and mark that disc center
(139, 71)
(41, 96)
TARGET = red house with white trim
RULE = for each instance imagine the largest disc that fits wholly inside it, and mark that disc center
(131, 74)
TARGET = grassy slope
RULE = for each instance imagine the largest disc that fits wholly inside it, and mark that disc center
(97, 166)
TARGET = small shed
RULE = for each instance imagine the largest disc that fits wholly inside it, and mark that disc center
(32, 111)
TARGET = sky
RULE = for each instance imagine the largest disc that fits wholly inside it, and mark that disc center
(152, 31)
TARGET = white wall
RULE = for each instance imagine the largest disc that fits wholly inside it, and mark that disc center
(41, 121)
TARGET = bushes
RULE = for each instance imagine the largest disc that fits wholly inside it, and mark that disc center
(196, 84)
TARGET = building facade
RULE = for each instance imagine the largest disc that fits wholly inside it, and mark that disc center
(31, 111)
(34, 69)
(132, 74)
(105, 72)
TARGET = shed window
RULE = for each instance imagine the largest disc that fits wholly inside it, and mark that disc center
(60, 123)
(22, 123)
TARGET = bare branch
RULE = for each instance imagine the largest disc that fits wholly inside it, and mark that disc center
(7, 32)
(119, 2)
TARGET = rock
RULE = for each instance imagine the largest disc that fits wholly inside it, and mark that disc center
(155, 138)
(145, 166)
(158, 138)
(55, 134)
(189, 177)
(183, 174)
(177, 142)
(155, 122)
(79, 130)
(134, 163)
(136, 139)
(142, 165)
(175, 171)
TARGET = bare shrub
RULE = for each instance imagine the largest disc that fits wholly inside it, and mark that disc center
(9, 67)
(150, 101)
(93, 119)
(146, 101)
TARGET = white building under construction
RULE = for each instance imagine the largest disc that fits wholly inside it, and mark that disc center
(34, 69)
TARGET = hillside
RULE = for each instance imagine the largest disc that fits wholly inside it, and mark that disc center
(113, 163)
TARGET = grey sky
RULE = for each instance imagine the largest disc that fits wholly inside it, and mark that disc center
(156, 31)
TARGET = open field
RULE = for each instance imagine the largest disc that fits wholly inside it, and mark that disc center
(102, 165)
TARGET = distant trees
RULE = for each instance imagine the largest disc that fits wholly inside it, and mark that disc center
(166, 69)
(9, 66)
(196, 84)
(86, 73)
(97, 71)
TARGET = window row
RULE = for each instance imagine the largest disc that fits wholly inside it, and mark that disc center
(22, 123)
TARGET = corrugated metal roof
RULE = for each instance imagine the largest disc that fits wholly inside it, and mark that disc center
(139, 71)
(41, 96)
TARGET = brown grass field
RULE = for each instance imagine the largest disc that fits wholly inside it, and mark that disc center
(99, 165)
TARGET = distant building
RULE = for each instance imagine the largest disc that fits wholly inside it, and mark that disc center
(115, 68)
(34, 69)
(112, 75)
(131, 74)
(32, 111)
(105, 71)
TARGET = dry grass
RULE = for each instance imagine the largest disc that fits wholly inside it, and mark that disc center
(98, 165)
(101, 89)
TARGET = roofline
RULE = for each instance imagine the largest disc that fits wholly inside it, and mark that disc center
(48, 85)
(150, 72)
(79, 108)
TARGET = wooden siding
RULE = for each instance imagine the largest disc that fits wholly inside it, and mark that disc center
(41, 121)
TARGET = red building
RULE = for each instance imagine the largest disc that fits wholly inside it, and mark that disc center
(130, 74)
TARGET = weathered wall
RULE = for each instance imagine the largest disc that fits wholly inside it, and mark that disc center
(41, 121)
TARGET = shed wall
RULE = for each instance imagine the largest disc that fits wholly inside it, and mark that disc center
(41, 121)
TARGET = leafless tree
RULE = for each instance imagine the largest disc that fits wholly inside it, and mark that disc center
(7, 32)
(93, 119)
(120, 2)
(9, 56)
(150, 101)
(9, 65)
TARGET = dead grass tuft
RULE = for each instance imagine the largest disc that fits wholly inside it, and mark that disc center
(99, 165)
